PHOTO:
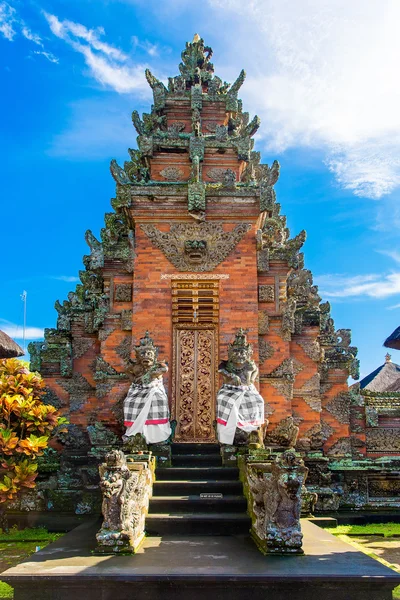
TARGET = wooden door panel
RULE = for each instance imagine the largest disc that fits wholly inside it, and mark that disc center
(194, 384)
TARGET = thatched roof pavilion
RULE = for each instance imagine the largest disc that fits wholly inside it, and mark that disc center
(393, 341)
(385, 378)
(9, 348)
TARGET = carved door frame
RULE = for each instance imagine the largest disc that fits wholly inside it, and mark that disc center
(176, 398)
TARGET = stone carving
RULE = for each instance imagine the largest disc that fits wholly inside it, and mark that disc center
(266, 293)
(310, 392)
(125, 501)
(78, 387)
(285, 434)
(339, 407)
(263, 322)
(197, 200)
(126, 320)
(268, 177)
(196, 67)
(288, 325)
(283, 386)
(172, 173)
(311, 348)
(371, 416)
(284, 370)
(313, 439)
(146, 408)
(123, 292)
(124, 348)
(177, 244)
(326, 429)
(239, 405)
(277, 503)
(265, 350)
(216, 174)
(383, 439)
(103, 370)
(80, 346)
(300, 285)
(342, 447)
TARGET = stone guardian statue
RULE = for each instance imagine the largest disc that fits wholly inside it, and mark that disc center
(239, 405)
(146, 408)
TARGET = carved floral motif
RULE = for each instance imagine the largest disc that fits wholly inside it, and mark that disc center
(172, 174)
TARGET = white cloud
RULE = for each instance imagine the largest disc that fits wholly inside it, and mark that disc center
(393, 307)
(392, 253)
(7, 21)
(16, 331)
(108, 65)
(33, 37)
(50, 57)
(323, 75)
(371, 286)
(68, 278)
(11, 23)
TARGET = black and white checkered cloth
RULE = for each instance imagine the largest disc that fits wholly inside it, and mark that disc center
(136, 399)
(250, 409)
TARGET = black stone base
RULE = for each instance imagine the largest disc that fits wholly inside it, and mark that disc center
(196, 567)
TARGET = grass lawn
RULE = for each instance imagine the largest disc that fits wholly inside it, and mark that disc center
(380, 541)
(16, 546)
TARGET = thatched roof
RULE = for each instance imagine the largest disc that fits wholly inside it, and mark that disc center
(384, 379)
(393, 341)
(9, 348)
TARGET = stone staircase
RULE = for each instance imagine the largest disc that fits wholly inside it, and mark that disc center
(177, 506)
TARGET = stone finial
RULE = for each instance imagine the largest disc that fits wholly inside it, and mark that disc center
(388, 357)
(196, 38)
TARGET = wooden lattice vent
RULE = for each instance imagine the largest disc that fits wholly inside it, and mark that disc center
(195, 302)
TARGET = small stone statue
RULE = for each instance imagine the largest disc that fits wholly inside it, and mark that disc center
(146, 408)
(282, 502)
(239, 405)
(124, 503)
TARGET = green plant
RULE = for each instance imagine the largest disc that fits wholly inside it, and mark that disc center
(26, 425)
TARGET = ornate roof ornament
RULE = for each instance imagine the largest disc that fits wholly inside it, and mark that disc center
(196, 67)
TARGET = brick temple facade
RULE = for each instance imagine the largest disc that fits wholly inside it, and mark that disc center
(195, 248)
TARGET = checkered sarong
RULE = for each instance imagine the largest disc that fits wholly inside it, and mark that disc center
(238, 406)
(136, 399)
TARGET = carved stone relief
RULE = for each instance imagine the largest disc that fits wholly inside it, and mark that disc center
(172, 174)
(266, 293)
(124, 348)
(339, 407)
(285, 433)
(80, 346)
(265, 350)
(341, 448)
(263, 322)
(310, 392)
(126, 320)
(196, 247)
(123, 292)
(216, 174)
(383, 439)
(311, 348)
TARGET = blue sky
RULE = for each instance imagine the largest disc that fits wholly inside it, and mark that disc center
(321, 74)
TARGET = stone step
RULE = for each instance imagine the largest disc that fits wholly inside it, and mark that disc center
(194, 449)
(197, 473)
(198, 524)
(194, 503)
(189, 460)
(190, 487)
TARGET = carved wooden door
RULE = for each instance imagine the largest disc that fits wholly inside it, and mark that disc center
(195, 319)
(195, 384)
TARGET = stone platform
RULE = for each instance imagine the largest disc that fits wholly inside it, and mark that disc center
(196, 567)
